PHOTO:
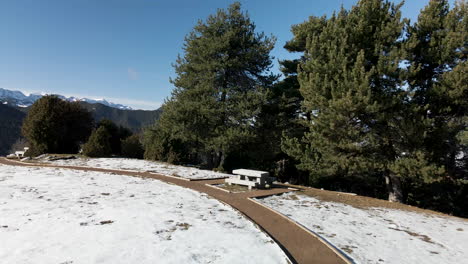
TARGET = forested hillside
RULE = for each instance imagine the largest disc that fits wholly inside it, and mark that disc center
(135, 120)
(11, 119)
(10, 127)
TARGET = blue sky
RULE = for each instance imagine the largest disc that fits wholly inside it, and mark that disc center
(122, 50)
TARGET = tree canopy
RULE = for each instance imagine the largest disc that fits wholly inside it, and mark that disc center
(384, 98)
(56, 126)
(374, 104)
(107, 139)
(99, 143)
(219, 90)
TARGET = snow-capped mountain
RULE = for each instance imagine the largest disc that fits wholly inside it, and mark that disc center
(20, 99)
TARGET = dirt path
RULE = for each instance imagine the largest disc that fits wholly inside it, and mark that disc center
(300, 245)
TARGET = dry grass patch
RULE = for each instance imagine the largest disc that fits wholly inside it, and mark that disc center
(363, 202)
(234, 188)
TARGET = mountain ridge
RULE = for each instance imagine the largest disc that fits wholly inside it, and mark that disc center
(19, 99)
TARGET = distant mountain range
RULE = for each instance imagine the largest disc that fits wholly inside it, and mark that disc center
(11, 120)
(17, 98)
(14, 106)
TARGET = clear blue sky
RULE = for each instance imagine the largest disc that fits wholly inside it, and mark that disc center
(122, 50)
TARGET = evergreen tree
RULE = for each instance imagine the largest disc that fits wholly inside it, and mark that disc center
(117, 134)
(279, 116)
(437, 99)
(350, 81)
(366, 115)
(98, 144)
(219, 91)
(159, 144)
(283, 113)
(132, 147)
(56, 126)
(438, 82)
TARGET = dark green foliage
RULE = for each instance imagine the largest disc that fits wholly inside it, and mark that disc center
(56, 126)
(277, 117)
(369, 120)
(438, 85)
(132, 147)
(280, 114)
(11, 120)
(160, 145)
(438, 82)
(220, 88)
(117, 134)
(106, 135)
(350, 83)
(98, 144)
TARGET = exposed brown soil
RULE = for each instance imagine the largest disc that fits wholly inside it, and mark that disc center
(234, 188)
(364, 202)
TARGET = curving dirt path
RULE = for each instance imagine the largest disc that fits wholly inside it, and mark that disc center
(300, 245)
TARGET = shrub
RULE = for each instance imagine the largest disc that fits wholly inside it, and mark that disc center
(117, 134)
(132, 148)
(56, 126)
(98, 144)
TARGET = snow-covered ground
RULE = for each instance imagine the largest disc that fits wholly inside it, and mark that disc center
(52, 215)
(379, 235)
(143, 165)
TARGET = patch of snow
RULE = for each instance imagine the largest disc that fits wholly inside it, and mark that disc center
(379, 235)
(4, 93)
(22, 100)
(52, 215)
(142, 166)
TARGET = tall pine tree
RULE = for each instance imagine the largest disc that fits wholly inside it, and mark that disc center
(219, 90)
(368, 115)
(438, 82)
(350, 81)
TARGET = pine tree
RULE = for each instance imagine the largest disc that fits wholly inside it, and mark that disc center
(438, 81)
(350, 81)
(132, 147)
(285, 108)
(436, 166)
(280, 113)
(56, 126)
(117, 134)
(219, 90)
(98, 144)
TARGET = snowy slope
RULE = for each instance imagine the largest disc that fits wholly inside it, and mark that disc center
(19, 99)
(379, 235)
(62, 216)
(142, 166)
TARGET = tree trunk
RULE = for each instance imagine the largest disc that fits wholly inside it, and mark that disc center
(222, 158)
(216, 159)
(210, 160)
(395, 193)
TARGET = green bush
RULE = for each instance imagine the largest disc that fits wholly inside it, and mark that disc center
(159, 145)
(98, 144)
(132, 148)
(56, 126)
(117, 134)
